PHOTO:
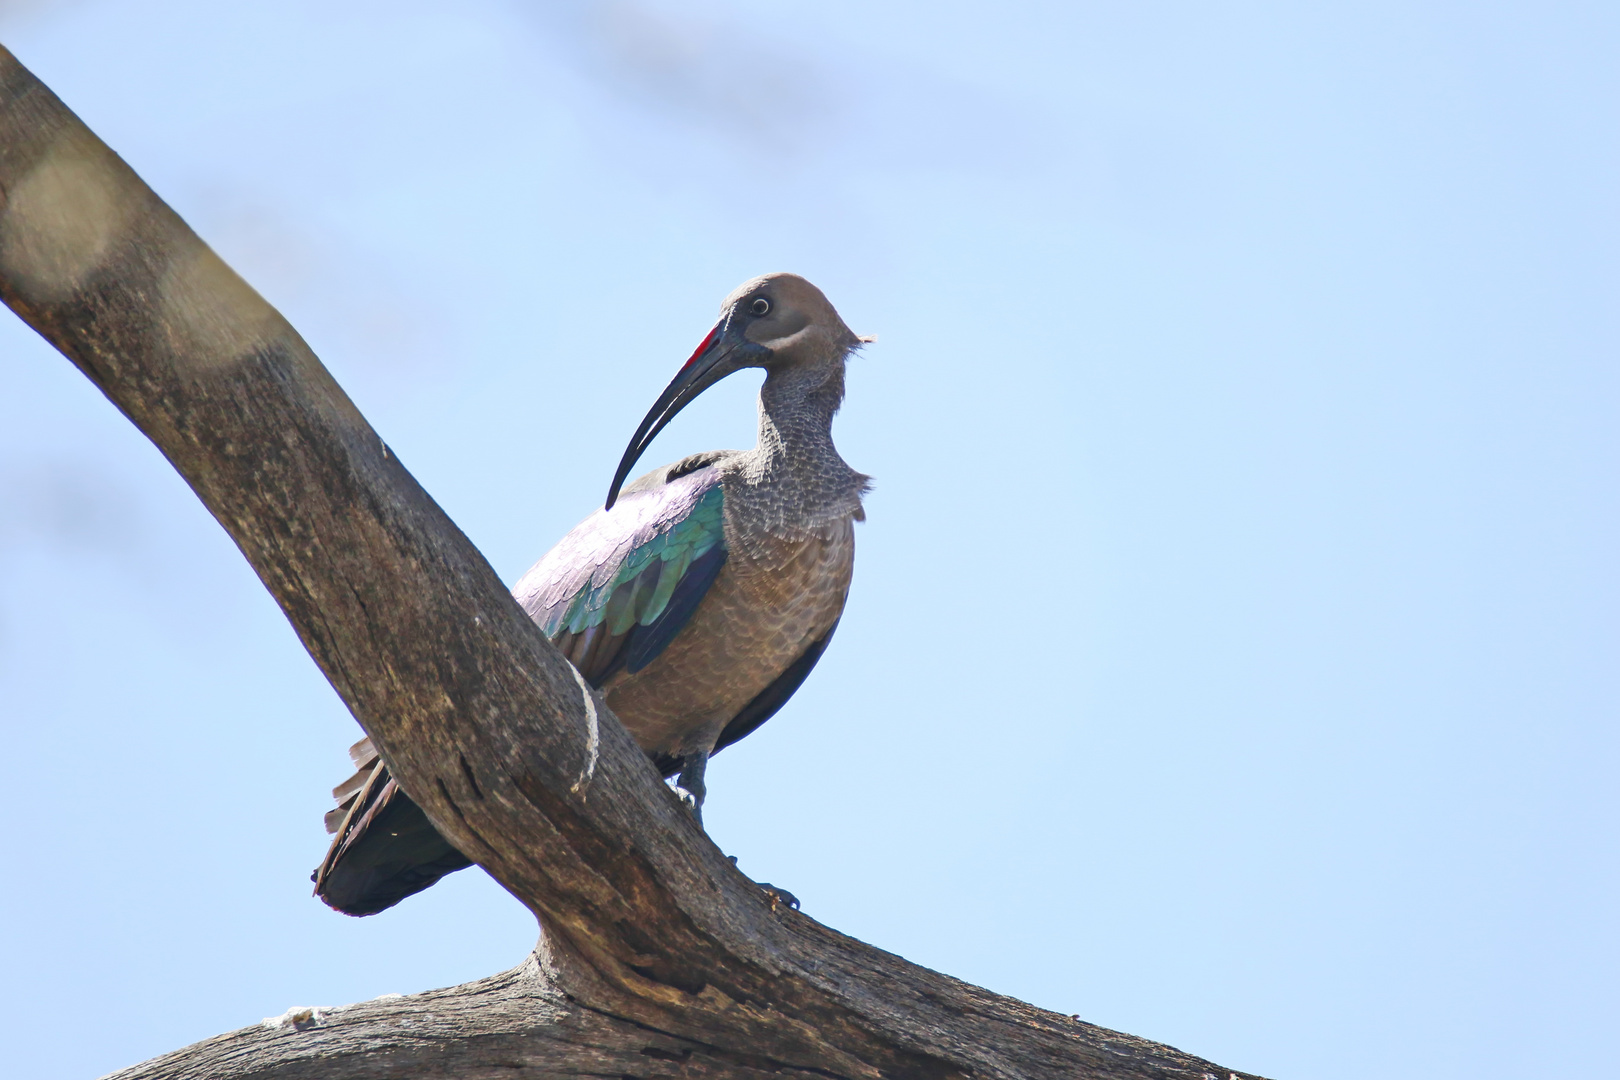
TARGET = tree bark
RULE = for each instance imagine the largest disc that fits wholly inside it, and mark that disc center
(658, 958)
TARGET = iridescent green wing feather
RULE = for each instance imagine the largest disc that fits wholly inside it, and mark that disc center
(618, 588)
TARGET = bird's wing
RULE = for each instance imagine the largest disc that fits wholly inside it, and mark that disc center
(618, 588)
(773, 697)
(613, 592)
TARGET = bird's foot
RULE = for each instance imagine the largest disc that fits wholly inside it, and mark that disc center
(689, 784)
(690, 801)
(778, 897)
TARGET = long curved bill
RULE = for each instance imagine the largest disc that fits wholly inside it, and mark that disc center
(722, 352)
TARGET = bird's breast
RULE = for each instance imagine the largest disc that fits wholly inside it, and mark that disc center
(772, 600)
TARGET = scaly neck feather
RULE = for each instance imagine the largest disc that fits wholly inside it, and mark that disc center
(794, 481)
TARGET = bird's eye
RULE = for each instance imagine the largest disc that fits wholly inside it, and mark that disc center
(760, 306)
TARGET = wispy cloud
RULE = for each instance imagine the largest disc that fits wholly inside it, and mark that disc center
(801, 103)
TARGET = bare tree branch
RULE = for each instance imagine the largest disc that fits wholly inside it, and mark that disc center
(658, 957)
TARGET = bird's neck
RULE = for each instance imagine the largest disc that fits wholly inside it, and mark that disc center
(796, 411)
(795, 479)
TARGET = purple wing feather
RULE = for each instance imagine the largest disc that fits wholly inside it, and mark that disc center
(622, 583)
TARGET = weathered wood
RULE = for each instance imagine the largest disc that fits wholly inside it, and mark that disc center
(659, 958)
(520, 1020)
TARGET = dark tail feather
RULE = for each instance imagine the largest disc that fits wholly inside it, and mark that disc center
(385, 848)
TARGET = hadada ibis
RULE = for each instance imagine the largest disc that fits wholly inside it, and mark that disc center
(697, 599)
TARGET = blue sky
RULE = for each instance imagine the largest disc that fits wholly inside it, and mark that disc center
(1231, 657)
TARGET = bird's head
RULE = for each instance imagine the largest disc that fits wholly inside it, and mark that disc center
(779, 322)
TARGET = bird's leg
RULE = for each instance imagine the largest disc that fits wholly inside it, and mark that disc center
(689, 785)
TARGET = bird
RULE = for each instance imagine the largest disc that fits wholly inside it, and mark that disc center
(696, 600)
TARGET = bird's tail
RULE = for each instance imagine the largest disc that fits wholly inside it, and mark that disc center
(384, 848)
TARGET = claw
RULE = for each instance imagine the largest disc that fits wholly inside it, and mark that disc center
(779, 896)
(689, 784)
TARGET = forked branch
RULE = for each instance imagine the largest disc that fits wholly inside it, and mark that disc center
(658, 958)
